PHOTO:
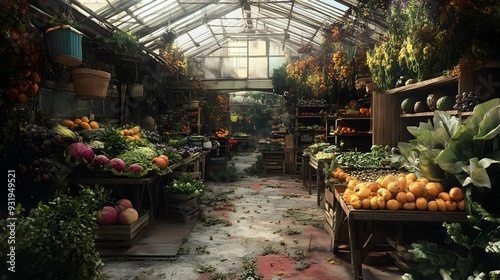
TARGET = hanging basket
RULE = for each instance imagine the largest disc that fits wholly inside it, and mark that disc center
(65, 45)
(136, 91)
(90, 83)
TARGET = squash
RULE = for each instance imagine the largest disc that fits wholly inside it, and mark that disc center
(94, 125)
(408, 105)
(85, 125)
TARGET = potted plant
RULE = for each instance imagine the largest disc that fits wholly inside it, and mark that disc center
(65, 41)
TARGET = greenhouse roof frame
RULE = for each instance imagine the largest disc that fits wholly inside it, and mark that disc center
(204, 26)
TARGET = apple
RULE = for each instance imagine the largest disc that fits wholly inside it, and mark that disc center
(123, 204)
(128, 216)
(107, 216)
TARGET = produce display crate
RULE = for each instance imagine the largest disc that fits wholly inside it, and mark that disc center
(182, 208)
(274, 162)
(119, 236)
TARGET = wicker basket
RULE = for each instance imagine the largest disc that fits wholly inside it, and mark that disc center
(65, 45)
(90, 83)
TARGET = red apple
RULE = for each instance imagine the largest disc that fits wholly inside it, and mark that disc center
(128, 216)
(123, 204)
(107, 216)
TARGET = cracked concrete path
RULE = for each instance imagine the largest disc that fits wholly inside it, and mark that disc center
(272, 220)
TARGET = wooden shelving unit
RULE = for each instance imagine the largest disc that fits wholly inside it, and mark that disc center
(390, 123)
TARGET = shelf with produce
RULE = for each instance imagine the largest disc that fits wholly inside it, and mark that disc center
(474, 86)
(351, 128)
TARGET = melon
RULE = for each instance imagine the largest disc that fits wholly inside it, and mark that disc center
(445, 103)
(408, 105)
(420, 106)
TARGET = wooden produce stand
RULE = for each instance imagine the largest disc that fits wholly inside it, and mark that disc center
(354, 217)
(140, 186)
(113, 236)
(316, 166)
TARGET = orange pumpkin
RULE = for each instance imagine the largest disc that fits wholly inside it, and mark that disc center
(165, 158)
(160, 162)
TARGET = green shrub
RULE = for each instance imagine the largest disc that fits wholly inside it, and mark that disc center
(56, 240)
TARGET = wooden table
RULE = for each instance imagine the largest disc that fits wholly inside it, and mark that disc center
(354, 217)
(140, 185)
(317, 165)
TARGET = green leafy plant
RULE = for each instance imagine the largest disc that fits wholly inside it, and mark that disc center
(462, 153)
(57, 240)
(125, 41)
(474, 250)
(186, 184)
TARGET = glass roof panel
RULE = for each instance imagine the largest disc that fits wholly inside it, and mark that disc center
(204, 26)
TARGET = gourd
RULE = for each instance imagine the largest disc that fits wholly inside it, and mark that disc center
(445, 103)
(408, 105)
(420, 106)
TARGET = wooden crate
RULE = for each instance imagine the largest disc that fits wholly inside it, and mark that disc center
(113, 236)
(183, 208)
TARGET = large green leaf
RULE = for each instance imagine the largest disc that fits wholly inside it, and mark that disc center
(489, 127)
(428, 166)
(472, 122)
(444, 120)
(477, 172)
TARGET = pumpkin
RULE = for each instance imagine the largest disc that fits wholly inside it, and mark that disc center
(164, 157)
(160, 162)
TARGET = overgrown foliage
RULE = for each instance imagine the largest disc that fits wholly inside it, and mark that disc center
(57, 240)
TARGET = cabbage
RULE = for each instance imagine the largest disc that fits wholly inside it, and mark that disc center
(117, 164)
(101, 161)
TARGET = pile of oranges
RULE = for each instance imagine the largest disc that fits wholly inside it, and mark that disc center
(404, 191)
(82, 123)
(221, 132)
(132, 134)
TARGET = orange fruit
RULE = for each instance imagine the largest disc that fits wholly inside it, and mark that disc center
(451, 205)
(441, 204)
(410, 197)
(423, 180)
(365, 203)
(85, 119)
(392, 204)
(401, 197)
(433, 188)
(461, 205)
(22, 97)
(78, 121)
(35, 77)
(421, 203)
(432, 206)
(409, 206)
(74, 126)
(94, 125)
(33, 90)
(444, 196)
(418, 189)
(380, 202)
(68, 123)
(85, 125)
(374, 203)
(456, 194)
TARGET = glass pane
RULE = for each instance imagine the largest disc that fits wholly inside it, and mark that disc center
(235, 67)
(275, 62)
(276, 48)
(257, 67)
(257, 48)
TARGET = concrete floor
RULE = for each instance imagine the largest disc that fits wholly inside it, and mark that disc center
(272, 219)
